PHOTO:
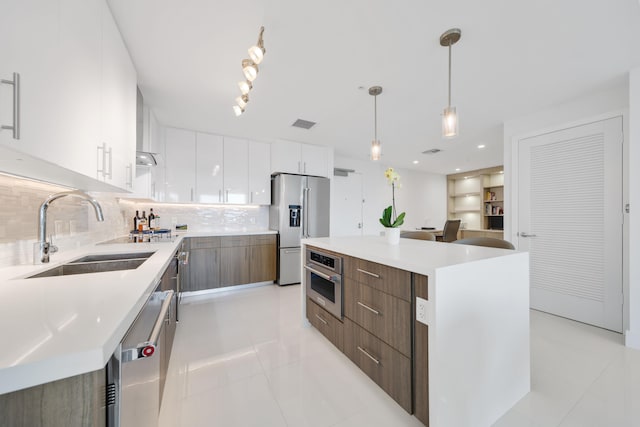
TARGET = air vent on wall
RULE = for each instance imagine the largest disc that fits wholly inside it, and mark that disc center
(432, 151)
(304, 124)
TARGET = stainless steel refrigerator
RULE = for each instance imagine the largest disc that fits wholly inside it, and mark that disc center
(299, 209)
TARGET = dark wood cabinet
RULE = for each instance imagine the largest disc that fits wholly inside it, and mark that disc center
(74, 401)
(216, 262)
(385, 316)
(324, 322)
(386, 279)
(386, 366)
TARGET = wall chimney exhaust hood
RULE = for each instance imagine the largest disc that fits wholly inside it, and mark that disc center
(143, 158)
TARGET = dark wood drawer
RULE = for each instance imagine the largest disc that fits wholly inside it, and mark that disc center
(328, 325)
(385, 316)
(202, 242)
(235, 241)
(390, 369)
(263, 239)
(381, 277)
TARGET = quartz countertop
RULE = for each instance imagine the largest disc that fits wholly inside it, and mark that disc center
(418, 256)
(57, 327)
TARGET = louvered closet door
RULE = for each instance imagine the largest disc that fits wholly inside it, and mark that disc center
(570, 220)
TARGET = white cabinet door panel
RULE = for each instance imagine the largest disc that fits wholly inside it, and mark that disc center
(236, 171)
(259, 173)
(314, 160)
(209, 168)
(180, 163)
(285, 157)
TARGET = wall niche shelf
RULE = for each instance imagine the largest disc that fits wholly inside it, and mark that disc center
(477, 198)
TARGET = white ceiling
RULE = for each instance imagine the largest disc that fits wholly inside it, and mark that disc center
(514, 58)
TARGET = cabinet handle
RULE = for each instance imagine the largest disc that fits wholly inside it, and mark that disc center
(368, 355)
(220, 196)
(321, 319)
(251, 195)
(110, 173)
(226, 198)
(15, 126)
(304, 167)
(369, 273)
(129, 182)
(369, 308)
(103, 148)
(527, 235)
(192, 194)
(299, 169)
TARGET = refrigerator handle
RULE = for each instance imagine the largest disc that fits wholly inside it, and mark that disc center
(305, 218)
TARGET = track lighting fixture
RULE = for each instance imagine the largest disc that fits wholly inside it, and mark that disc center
(250, 71)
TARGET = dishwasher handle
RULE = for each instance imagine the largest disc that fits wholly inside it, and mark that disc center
(148, 347)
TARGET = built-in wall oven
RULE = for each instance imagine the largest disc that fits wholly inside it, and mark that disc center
(323, 280)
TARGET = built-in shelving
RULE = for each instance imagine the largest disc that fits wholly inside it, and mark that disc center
(477, 198)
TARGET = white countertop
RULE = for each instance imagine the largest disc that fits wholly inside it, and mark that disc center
(418, 256)
(57, 327)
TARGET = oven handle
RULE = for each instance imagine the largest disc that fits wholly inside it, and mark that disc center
(148, 348)
(324, 276)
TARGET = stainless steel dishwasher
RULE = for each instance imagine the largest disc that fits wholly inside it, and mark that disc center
(137, 365)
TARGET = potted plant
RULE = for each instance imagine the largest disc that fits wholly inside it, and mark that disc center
(390, 221)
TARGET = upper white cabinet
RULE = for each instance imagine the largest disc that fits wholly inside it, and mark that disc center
(209, 168)
(180, 165)
(77, 87)
(206, 168)
(236, 170)
(259, 173)
(298, 158)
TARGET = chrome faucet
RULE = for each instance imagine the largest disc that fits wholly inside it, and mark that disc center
(45, 247)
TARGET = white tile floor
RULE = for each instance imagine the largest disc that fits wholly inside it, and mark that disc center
(242, 358)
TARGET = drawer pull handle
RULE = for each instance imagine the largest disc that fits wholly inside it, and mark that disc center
(369, 273)
(322, 320)
(369, 308)
(368, 355)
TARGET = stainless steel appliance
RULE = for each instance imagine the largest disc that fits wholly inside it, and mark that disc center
(323, 280)
(299, 209)
(136, 368)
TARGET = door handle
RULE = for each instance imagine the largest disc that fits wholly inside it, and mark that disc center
(527, 235)
(15, 126)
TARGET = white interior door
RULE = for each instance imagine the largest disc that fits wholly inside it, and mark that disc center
(570, 220)
(347, 205)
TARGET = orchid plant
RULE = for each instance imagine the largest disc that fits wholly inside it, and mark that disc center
(389, 218)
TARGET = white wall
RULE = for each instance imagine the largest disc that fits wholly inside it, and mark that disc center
(422, 195)
(632, 334)
(593, 106)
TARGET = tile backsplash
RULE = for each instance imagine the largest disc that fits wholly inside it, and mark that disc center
(73, 224)
(202, 217)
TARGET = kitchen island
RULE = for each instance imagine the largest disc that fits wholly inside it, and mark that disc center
(470, 350)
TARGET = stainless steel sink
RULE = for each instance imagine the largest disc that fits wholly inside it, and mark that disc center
(113, 257)
(97, 264)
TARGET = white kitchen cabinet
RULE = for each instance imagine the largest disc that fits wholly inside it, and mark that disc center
(29, 35)
(259, 173)
(209, 168)
(118, 104)
(236, 170)
(180, 165)
(77, 87)
(298, 158)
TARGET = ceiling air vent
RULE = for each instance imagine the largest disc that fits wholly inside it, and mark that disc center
(303, 124)
(432, 151)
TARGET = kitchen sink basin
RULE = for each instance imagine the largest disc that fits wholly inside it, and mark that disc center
(97, 264)
(113, 257)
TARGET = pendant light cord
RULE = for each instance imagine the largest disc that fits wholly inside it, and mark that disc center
(449, 73)
(375, 118)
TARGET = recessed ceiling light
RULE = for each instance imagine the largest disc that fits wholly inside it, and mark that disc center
(415, 162)
(466, 177)
(501, 172)
(457, 169)
(481, 146)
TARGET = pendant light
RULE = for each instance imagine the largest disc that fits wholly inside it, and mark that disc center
(449, 116)
(376, 149)
(257, 51)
